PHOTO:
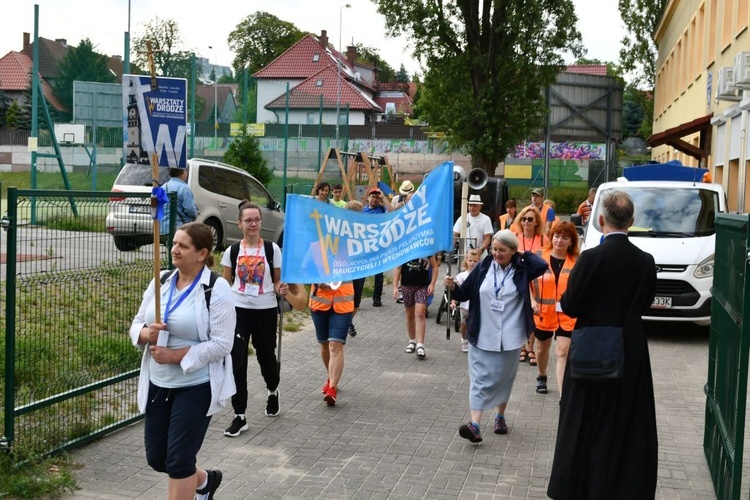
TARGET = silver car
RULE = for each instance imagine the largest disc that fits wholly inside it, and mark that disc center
(218, 189)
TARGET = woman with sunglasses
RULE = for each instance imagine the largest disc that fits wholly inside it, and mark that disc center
(530, 233)
(561, 253)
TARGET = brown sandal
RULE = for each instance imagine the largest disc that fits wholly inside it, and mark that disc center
(532, 358)
(524, 356)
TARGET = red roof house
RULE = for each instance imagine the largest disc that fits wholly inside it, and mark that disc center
(311, 68)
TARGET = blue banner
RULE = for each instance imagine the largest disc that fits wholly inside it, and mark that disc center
(155, 120)
(324, 243)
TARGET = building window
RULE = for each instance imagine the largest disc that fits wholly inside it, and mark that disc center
(726, 24)
(742, 16)
(316, 57)
(319, 83)
(311, 118)
(712, 22)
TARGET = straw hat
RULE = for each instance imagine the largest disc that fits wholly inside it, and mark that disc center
(406, 187)
(297, 296)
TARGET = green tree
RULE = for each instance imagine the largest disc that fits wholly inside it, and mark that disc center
(12, 115)
(82, 64)
(487, 65)
(386, 73)
(402, 76)
(259, 39)
(171, 58)
(5, 103)
(22, 120)
(638, 52)
(244, 152)
(632, 112)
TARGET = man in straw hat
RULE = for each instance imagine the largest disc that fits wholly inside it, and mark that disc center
(478, 227)
(406, 190)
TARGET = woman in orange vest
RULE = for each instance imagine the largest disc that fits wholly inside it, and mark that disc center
(508, 219)
(332, 308)
(529, 229)
(561, 253)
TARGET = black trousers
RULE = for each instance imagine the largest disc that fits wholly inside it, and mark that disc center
(377, 290)
(258, 326)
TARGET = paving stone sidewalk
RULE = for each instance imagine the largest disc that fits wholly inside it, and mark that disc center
(393, 432)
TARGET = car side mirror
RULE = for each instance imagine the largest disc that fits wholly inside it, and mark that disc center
(274, 205)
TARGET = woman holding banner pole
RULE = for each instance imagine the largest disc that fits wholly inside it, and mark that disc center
(500, 320)
(331, 308)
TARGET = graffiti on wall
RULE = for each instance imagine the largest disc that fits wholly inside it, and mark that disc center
(568, 150)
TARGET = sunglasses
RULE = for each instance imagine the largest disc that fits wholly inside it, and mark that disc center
(527, 219)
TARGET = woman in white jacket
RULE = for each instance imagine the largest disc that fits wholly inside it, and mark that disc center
(186, 371)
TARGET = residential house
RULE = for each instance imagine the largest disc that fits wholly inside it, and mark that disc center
(15, 79)
(311, 68)
(225, 93)
(702, 106)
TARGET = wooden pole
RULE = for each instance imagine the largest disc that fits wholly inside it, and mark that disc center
(154, 206)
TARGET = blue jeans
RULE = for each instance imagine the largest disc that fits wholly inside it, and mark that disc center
(175, 426)
(331, 326)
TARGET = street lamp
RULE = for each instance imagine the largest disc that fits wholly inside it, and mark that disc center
(338, 79)
(216, 100)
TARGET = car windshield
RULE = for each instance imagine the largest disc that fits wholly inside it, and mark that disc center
(667, 212)
(134, 174)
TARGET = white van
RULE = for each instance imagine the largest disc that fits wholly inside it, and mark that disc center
(674, 222)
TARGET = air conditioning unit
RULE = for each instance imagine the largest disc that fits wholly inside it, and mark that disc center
(725, 90)
(742, 70)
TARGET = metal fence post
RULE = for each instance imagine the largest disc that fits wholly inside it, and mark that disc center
(10, 318)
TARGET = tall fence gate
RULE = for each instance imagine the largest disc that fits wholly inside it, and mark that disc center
(70, 367)
(726, 389)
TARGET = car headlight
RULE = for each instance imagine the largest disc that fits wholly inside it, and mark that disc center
(706, 268)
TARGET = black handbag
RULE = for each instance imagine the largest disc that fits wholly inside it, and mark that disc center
(597, 354)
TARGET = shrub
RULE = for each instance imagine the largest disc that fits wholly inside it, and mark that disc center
(244, 152)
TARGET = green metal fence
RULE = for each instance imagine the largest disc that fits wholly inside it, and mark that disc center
(70, 368)
(726, 389)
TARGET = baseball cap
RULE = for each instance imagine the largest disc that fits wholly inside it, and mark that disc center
(373, 190)
(537, 191)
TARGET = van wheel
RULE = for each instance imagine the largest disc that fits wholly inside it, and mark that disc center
(126, 243)
(217, 233)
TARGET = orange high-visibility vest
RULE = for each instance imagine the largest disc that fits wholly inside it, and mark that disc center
(547, 293)
(341, 299)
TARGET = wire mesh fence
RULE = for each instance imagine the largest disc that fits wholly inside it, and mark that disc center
(70, 367)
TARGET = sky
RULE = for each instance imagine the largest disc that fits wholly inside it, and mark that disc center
(104, 22)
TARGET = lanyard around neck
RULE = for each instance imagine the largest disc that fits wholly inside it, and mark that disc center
(168, 309)
(505, 275)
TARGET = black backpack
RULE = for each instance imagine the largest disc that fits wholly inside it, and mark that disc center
(206, 288)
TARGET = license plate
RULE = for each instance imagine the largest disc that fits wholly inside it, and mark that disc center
(662, 303)
(140, 209)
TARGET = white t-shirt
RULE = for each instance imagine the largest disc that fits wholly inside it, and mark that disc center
(253, 283)
(476, 228)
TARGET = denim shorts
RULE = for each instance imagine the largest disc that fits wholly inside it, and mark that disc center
(175, 426)
(331, 326)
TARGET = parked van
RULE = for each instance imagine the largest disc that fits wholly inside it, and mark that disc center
(217, 188)
(674, 222)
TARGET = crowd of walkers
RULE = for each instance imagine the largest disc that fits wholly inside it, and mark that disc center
(521, 288)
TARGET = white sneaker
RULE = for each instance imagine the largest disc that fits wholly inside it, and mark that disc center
(464, 345)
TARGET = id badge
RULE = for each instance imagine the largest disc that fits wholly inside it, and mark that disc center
(497, 305)
(252, 290)
(163, 338)
(558, 307)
